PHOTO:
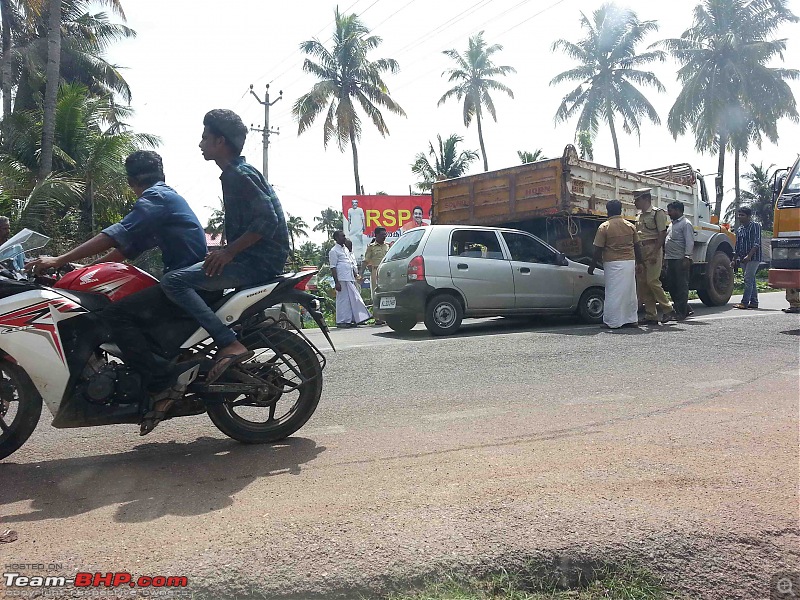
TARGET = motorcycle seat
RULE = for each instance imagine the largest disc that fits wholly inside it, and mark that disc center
(217, 304)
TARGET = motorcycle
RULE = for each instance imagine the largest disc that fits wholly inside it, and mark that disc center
(55, 350)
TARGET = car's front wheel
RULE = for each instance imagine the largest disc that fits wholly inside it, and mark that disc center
(443, 315)
(591, 306)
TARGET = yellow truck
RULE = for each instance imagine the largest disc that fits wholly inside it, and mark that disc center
(784, 268)
(563, 201)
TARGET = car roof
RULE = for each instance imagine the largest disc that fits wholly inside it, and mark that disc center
(482, 227)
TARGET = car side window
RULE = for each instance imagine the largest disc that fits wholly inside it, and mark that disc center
(476, 243)
(528, 249)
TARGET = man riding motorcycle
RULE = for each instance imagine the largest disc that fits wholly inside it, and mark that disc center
(160, 218)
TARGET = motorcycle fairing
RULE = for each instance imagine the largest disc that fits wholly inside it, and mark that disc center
(235, 304)
(30, 334)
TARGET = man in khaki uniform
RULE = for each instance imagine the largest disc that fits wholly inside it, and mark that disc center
(651, 224)
(372, 258)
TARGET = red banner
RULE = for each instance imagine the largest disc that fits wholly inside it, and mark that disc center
(362, 214)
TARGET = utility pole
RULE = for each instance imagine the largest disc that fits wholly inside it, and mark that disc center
(266, 131)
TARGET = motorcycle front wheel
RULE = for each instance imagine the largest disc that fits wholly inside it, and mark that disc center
(20, 407)
(294, 375)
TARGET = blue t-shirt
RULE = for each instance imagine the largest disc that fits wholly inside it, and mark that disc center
(161, 218)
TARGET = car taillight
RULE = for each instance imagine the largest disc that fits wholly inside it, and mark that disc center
(301, 285)
(416, 269)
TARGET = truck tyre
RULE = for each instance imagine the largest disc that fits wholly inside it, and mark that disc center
(443, 314)
(401, 324)
(718, 281)
(591, 305)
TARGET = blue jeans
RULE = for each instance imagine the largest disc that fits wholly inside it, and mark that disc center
(750, 296)
(180, 286)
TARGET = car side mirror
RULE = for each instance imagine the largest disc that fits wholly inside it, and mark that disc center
(778, 185)
(562, 260)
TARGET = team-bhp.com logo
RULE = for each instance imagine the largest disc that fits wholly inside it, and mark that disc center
(93, 580)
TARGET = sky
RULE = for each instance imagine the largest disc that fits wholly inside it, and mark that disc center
(191, 57)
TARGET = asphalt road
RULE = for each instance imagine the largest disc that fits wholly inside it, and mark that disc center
(674, 447)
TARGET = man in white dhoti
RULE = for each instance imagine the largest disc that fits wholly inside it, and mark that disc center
(350, 308)
(617, 243)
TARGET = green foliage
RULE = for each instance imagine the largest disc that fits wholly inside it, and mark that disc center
(585, 145)
(328, 221)
(608, 71)
(758, 196)
(448, 163)
(526, 157)
(474, 77)
(347, 78)
(604, 584)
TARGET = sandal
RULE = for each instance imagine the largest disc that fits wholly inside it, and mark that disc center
(740, 306)
(154, 417)
(791, 310)
(220, 367)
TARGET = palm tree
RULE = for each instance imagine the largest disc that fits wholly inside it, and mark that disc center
(346, 78)
(526, 157)
(297, 228)
(309, 253)
(474, 71)
(51, 86)
(608, 69)
(447, 164)
(329, 221)
(730, 96)
(216, 222)
(758, 196)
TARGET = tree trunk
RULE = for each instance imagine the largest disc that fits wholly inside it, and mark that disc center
(737, 200)
(5, 69)
(87, 211)
(51, 87)
(720, 178)
(355, 159)
(614, 137)
(480, 139)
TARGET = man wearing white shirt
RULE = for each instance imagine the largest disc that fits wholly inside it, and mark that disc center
(350, 308)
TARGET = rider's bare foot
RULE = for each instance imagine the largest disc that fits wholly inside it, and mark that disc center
(228, 356)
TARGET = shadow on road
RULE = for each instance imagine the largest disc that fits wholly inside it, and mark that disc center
(151, 481)
(791, 332)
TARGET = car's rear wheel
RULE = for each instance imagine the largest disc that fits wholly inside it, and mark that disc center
(592, 304)
(401, 324)
(443, 314)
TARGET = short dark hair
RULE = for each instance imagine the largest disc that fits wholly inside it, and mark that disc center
(227, 124)
(380, 230)
(746, 210)
(144, 168)
(614, 208)
(677, 205)
(422, 210)
(336, 233)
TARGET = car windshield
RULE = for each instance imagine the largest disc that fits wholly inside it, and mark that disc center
(405, 246)
(793, 187)
(23, 242)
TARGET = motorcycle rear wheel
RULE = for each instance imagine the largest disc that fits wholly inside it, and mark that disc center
(239, 417)
(16, 388)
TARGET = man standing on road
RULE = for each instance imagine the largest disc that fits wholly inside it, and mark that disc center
(617, 243)
(748, 255)
(373, 257)
(350, 308)
(651, 224)
(678, 254)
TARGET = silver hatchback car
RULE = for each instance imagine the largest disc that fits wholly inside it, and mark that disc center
(442, 273)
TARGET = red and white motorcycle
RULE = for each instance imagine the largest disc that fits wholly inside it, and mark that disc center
(54, 349)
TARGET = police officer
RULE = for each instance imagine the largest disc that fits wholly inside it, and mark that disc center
(652, 227)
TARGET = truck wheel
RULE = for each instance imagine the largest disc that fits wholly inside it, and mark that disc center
(443, 315)
(718, 281)
(401, 324)
(591, 305)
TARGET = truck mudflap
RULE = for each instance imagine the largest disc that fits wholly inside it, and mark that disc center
(784, 278)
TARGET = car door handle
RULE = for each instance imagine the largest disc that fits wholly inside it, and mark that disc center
(462, 267)
(525, 270)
